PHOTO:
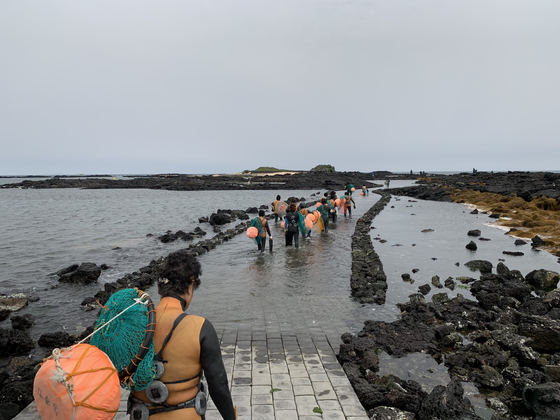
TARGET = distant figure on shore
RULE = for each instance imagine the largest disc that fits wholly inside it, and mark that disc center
(365, 190)
(387, 183)
(262, 226)
(474, 171)
(291, 225)
(276, 216)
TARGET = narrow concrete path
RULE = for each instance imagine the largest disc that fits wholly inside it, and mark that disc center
(278, 375)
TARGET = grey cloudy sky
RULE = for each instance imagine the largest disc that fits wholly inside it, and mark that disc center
(216, 86)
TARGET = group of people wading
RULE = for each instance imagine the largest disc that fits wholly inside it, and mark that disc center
(299, 220)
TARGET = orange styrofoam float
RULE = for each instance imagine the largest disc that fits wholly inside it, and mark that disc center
(252, 232)
(77, 383)
(308, 223)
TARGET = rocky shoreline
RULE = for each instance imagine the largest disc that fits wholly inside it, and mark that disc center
(283, 181)
(527, 185)
(507, 342)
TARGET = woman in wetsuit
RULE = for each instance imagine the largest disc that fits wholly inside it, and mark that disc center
(332, 204)
(348, 201)
(291, 225)
(324, 209)
(192, 349)
(261, 224)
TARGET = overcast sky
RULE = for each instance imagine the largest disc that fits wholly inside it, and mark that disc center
(143, 86)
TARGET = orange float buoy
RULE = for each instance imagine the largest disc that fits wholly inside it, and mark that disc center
(77, 383)
(252, 232)
(308, 223)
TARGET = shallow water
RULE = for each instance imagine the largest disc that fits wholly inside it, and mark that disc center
(43, 231)
(438, 252)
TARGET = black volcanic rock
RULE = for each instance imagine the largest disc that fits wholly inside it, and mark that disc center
(85, 273)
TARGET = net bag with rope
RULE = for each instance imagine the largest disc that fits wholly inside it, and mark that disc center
(281, 208)
(82, 382)
(77, 383)
(127, 339)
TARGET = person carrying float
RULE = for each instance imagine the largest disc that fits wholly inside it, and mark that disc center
(274, 203)
(347, 202)
(305, 224)
(187, 349)
(291, 225)
(324, 210)
(261, 224)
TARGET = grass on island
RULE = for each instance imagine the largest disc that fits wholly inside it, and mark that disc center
(540, 216)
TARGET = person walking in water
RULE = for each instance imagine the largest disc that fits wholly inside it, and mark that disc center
(291, 225)
(349, 188)
(387, 183)
(261, 224)
(332, 204)
(276, 215)
(365, 190)
(324, 210)
(348, 201)
(305, 232)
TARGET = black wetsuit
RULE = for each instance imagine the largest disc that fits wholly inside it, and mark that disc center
(291, 225)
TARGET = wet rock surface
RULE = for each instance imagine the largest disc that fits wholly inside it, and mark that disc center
(368, 280)
(527, 185)
(506, 343)
(84, 273)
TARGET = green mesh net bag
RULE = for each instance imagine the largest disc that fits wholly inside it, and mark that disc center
(126, 328)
